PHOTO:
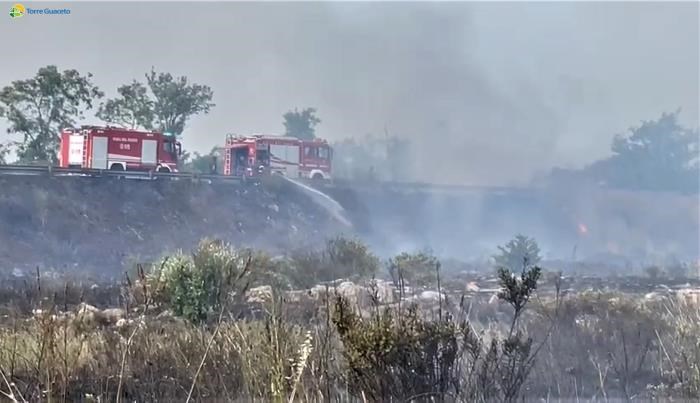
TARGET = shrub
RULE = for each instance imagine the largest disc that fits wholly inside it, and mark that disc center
(418, 269)
(195, 286)
(398, 354)
(620, 335)
(341, 258)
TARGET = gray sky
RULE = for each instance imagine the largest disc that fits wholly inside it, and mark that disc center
(490, 92)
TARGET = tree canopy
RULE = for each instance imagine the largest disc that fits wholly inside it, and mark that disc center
(39, 107)
(518, 253)
(301, 124)
(132, 108)
(657, 155)
(202, 163)
(165, 103)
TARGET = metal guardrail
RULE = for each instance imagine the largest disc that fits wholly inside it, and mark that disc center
(36, 170)
(336, 183)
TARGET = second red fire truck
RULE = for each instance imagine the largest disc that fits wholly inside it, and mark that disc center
(292, 157)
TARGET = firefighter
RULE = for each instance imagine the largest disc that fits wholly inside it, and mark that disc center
(213, 164)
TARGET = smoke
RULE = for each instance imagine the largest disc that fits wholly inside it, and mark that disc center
(486, 93)
(634, 227)
(413, 67)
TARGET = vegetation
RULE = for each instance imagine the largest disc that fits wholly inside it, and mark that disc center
(39, 107)
(373, 158)
(301, 124)
(203, 163)
(341, 258)
(518, 252)
(165, 103)
(658, 155)
(417, 269)
(199, 285)
(188, 328)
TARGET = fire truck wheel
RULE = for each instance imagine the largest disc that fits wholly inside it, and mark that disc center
(117, 167)
(317, 177)
(164, 169)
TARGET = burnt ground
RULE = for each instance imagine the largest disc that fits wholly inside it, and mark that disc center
(102, 225)
(106, 225)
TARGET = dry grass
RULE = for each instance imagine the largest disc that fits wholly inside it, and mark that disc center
(585, 345)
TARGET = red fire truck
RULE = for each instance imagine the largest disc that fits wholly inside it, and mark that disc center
(295, 158)
(118, 149)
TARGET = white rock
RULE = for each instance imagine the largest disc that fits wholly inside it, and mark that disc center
(259, 295)
(430, 296)
(472, 287)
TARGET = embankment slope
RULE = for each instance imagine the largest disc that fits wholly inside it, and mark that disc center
(106, 224)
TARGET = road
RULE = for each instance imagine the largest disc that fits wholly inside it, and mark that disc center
(404, 187)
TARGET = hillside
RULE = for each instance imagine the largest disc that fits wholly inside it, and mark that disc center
(103, 225)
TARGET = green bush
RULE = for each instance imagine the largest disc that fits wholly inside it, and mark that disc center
(197, 285)
(418, 269)
(341, 258)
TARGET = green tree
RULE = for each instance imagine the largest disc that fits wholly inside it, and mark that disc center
(133, 107)
(176, 100)
(301, 124)
(519, 252)
(39, 107)
(202, 163)
(165, 103)
(418, 269)
(659, 155)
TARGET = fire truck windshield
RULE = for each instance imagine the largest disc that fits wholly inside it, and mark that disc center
(323, 153)
(320, 152)
(172, 147)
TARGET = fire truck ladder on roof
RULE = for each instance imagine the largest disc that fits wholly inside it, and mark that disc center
(85, 150)
(230, 140)
(227, 161)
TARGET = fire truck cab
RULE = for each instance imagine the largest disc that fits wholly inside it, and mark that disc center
(289, 156)
(118, 149)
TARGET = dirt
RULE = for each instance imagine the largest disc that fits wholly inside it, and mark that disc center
(103, 225)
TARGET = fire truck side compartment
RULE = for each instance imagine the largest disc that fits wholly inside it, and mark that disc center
(99, 152)
(149, 152)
